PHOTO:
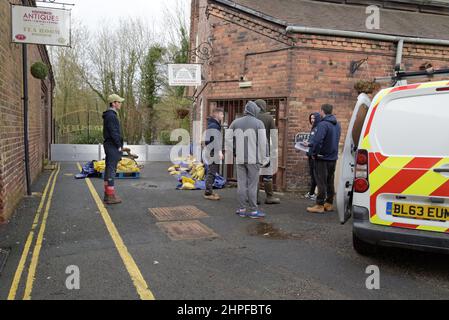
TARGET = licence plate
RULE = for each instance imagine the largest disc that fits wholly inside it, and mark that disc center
(414, 211)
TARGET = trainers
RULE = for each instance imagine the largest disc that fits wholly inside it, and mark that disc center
(309, 196)
(213, 197)
(316, 209)
(241, 212)
(256, 215)
(328, 207)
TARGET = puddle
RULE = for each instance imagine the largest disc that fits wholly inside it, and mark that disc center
(267, 230)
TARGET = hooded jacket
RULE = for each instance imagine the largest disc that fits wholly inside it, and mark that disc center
(266, 118)
(112, 133)
(326, 139)
(212, 124)
(314, 129)
(254, 150)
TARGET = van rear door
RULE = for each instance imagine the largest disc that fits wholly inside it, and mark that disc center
(347, 163)
(409, 168)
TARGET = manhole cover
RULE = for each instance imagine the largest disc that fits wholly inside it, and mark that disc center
(178, 213)
(4, 253)
(186, 230)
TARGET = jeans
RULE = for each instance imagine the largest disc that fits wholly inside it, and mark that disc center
(113, 157)
(312, 176)
(210, 178)
(325, 175)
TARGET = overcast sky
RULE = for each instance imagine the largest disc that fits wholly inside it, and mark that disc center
(93, 12)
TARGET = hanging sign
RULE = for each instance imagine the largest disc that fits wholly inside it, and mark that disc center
(38, 25)
(184, 74)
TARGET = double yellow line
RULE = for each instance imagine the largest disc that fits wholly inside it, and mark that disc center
(131, 266)
(49, 190)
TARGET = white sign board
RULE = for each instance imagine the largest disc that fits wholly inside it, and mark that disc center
(184, 75)
(38, 25)
(301, 138)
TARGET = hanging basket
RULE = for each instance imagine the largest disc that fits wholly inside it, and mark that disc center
(366, 86)
(39, 70)
(182, 113)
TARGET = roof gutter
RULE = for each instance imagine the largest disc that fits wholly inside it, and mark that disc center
(253, 12)
(365, 35)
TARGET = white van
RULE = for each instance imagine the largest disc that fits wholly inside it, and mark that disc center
(395, 169)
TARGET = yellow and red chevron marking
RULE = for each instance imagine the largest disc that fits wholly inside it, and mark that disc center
(387, 91)
(405, 176)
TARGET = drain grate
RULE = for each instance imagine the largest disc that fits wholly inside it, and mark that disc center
(186, 230)
(4, 253)
(178, 213)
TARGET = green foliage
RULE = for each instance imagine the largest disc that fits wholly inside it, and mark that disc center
(39, 70)
(152, 81)
(93, 137)
(164, 138)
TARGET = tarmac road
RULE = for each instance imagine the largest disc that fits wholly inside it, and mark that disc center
(122, 253)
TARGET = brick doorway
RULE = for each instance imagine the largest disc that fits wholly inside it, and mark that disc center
(234, 108)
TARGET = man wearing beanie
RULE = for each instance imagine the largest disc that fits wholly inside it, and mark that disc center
(269, 123)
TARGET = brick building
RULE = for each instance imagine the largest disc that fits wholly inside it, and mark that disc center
(12, 154)
(249, 50)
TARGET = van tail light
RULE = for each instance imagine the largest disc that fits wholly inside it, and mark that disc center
(361, 183)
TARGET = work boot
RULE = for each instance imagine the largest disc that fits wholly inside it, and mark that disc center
(213, 197)
(112, 199)
(316, 209)
(328, 207)
(270, 194)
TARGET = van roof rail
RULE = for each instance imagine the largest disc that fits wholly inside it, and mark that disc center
(404, 75)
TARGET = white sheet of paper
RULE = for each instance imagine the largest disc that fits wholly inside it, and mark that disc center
(300, 147)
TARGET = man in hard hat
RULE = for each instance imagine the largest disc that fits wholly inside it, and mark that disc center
(113, 147)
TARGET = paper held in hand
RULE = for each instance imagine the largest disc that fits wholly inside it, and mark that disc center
(300, 138)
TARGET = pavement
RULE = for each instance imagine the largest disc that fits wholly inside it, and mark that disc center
(121, 252)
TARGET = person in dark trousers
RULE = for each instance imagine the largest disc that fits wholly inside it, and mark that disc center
(314, 120)
(269, 124)
(324, 150)
(113, 147)
(250, 142)
(214, 131)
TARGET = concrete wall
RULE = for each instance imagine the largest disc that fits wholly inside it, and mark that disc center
(77, 152)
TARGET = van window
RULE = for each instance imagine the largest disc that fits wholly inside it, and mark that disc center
(413, 126)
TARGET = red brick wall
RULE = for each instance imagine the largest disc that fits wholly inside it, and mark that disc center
(314, 72)
(12, 170)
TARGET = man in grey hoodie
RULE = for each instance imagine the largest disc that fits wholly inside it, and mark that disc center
(248, 136)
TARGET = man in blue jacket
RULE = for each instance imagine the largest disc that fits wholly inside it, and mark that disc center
(324, 150)
(213, 162)
(113, 147)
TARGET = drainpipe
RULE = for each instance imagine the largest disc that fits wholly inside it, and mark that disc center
(25, 113)
(365, 35)
(399, 51)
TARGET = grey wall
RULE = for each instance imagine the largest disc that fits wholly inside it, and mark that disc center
(81, 152)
